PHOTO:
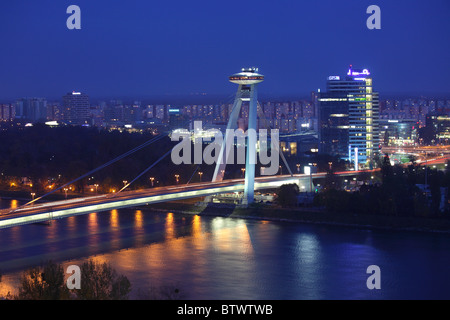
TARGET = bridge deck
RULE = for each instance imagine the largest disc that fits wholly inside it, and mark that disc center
(60, 209)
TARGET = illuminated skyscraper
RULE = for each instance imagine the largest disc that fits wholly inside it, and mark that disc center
(349, 117)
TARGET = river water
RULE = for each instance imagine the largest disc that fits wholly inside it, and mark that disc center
(227, 258)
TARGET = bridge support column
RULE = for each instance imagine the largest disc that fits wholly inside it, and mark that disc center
(247, 81)
(250, 161)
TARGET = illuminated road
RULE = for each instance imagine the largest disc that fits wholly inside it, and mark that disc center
(417, 149)
(60, 209)
(424, 155)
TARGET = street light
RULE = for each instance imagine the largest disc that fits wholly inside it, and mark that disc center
(176, 177)
(65, 190)
(243, 172)
(298, 167)
(32, 195)
(200, 174)
(152, 179)
(96, 188)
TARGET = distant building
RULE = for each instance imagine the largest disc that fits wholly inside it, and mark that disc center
(132, 113)
(31, 109)
(349, 116)
(7, 112)
(75, 108)
(177, 120)
(438, 128)
(401, 132)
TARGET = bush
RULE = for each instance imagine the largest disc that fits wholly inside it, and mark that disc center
(98, 282)
(287, 195)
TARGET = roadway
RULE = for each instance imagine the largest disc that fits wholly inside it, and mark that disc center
(60, 209)
(47, 211)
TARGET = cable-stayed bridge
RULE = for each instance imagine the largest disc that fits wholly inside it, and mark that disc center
(35, 212)
(42, 212)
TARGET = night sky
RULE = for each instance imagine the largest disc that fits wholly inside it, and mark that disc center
(140, 48)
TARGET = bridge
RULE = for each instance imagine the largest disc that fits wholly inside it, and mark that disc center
(43, 212)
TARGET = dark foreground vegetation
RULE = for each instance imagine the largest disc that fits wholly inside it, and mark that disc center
(395, 191)
(99, 281)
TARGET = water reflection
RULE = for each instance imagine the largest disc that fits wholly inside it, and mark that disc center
(114, 219)
(138, 220)
(225, 258)
(93, 223)
(14, 204)
(170, 229)
(308, 269)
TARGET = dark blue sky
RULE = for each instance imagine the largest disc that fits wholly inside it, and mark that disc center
(144, 47)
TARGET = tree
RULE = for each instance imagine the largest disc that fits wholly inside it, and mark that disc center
(287, 195)
(98, 282)
(386, 169)
(44, 283)
(101, 282)
(332, 181)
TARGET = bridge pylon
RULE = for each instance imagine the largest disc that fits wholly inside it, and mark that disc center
(247, 80)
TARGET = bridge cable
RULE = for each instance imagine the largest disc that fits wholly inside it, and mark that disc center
(267, 125)
(198, 166)
(145, 144)
(151, 166)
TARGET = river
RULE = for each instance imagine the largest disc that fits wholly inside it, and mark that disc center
(225, 258)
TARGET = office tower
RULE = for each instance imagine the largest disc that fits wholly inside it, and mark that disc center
(132, 113)
(176, 119)
(76, 108)
(349, 117)
(31, 109)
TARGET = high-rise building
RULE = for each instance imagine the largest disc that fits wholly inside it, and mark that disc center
(76, 108)
(31, 109)
(349, 117)
(7, 112)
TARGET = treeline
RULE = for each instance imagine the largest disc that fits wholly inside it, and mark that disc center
(401, 191)
(56, 155)
(63, 154)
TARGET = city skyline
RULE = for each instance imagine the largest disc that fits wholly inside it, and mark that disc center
(152, 50)
(239, 150)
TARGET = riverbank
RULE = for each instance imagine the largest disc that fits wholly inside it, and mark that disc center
(306, 215)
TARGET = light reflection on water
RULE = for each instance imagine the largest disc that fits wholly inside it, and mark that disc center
(225, 258)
